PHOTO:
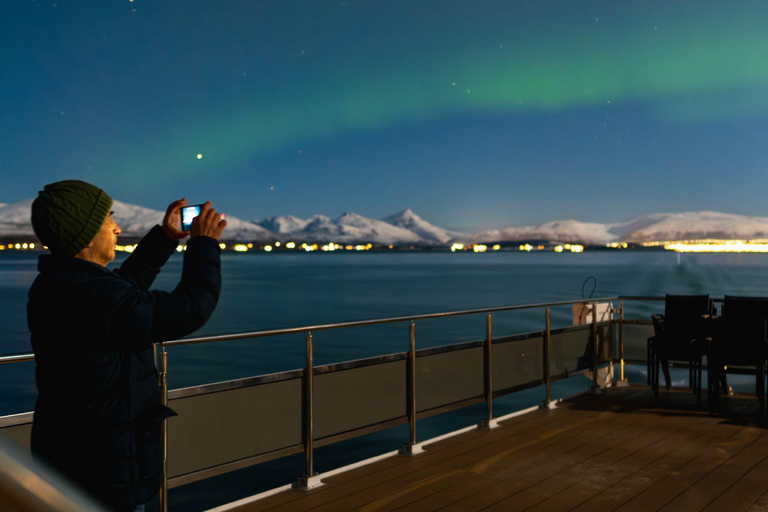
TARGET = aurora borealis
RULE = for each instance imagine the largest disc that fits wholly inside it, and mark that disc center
(470, 113)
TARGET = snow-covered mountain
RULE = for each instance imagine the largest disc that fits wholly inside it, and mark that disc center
(15, 218)
(284, 225)
(557, 231)
(654, 227)
(134, 221)
(406, 219)
(698, 225)
(351, 227)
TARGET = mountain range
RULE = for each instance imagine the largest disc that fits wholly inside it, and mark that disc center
(407, 228)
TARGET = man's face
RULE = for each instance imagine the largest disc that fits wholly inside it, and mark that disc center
(102, 247)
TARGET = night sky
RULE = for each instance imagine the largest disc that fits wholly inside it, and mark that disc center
(473, 114)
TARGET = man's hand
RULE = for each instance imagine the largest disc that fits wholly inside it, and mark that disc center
(208, 223)
(171, 220)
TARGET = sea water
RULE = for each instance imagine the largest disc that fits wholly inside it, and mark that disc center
(272, 291)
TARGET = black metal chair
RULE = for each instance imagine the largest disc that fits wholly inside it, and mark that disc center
(678, 336)
(739, 340)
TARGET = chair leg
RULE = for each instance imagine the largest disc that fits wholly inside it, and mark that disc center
(692, 375)
(698, 382)
(665, 369)
(649, 359)
(760, 385)
(691, 383)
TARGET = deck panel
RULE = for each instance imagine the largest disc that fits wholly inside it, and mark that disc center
(361, 478)
(621, 451)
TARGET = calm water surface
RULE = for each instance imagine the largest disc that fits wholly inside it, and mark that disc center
(272, 291)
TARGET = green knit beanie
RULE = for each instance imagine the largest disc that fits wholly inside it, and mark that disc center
(67, 215)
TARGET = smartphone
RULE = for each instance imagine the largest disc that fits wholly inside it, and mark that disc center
(187, 214)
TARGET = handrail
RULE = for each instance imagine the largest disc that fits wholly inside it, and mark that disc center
(17, 358)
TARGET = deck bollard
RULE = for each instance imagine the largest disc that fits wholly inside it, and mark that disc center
(622, 382)
(412, 447)
(548, 403)
(163, 378)
(310, 479)
(488, 422)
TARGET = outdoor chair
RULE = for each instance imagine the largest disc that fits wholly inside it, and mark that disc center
(739, 340)
(678, 336)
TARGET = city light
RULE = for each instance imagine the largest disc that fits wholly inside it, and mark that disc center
(290, 245)
(268, 248)
(457, 247)
(722, 246)
(241, 248)
(496, 247)
(480, 248)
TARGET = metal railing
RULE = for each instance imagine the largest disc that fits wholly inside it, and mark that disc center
(309, 478)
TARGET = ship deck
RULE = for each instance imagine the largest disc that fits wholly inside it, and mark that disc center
(622, 450)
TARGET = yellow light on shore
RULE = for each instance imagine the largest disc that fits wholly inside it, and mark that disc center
(723, 246)
(577, 248)
(558, 248)
(496, 247)
(457, 247)
(241, 248)
(222, 246)
(277, 244)
(480, 248)
(290, 245)
(268, 248)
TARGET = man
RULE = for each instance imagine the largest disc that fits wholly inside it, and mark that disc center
(98, 412)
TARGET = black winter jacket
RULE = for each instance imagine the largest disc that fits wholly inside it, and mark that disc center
(98, 412)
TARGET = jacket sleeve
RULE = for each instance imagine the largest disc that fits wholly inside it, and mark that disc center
(139, 317)
(143, 265)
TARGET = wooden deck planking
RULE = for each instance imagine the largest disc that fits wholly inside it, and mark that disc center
(410, 468)
(621, 451)
(573, 487)
(483, 474)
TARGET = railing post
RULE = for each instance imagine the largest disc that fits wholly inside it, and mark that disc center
(595, 388)
(488, 422)
(412, 447)
(548, 403)
(163, 378)
(622, 382)
(310, 479)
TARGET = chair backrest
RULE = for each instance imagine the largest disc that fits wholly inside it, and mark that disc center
(683, 315)
(743, 331)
